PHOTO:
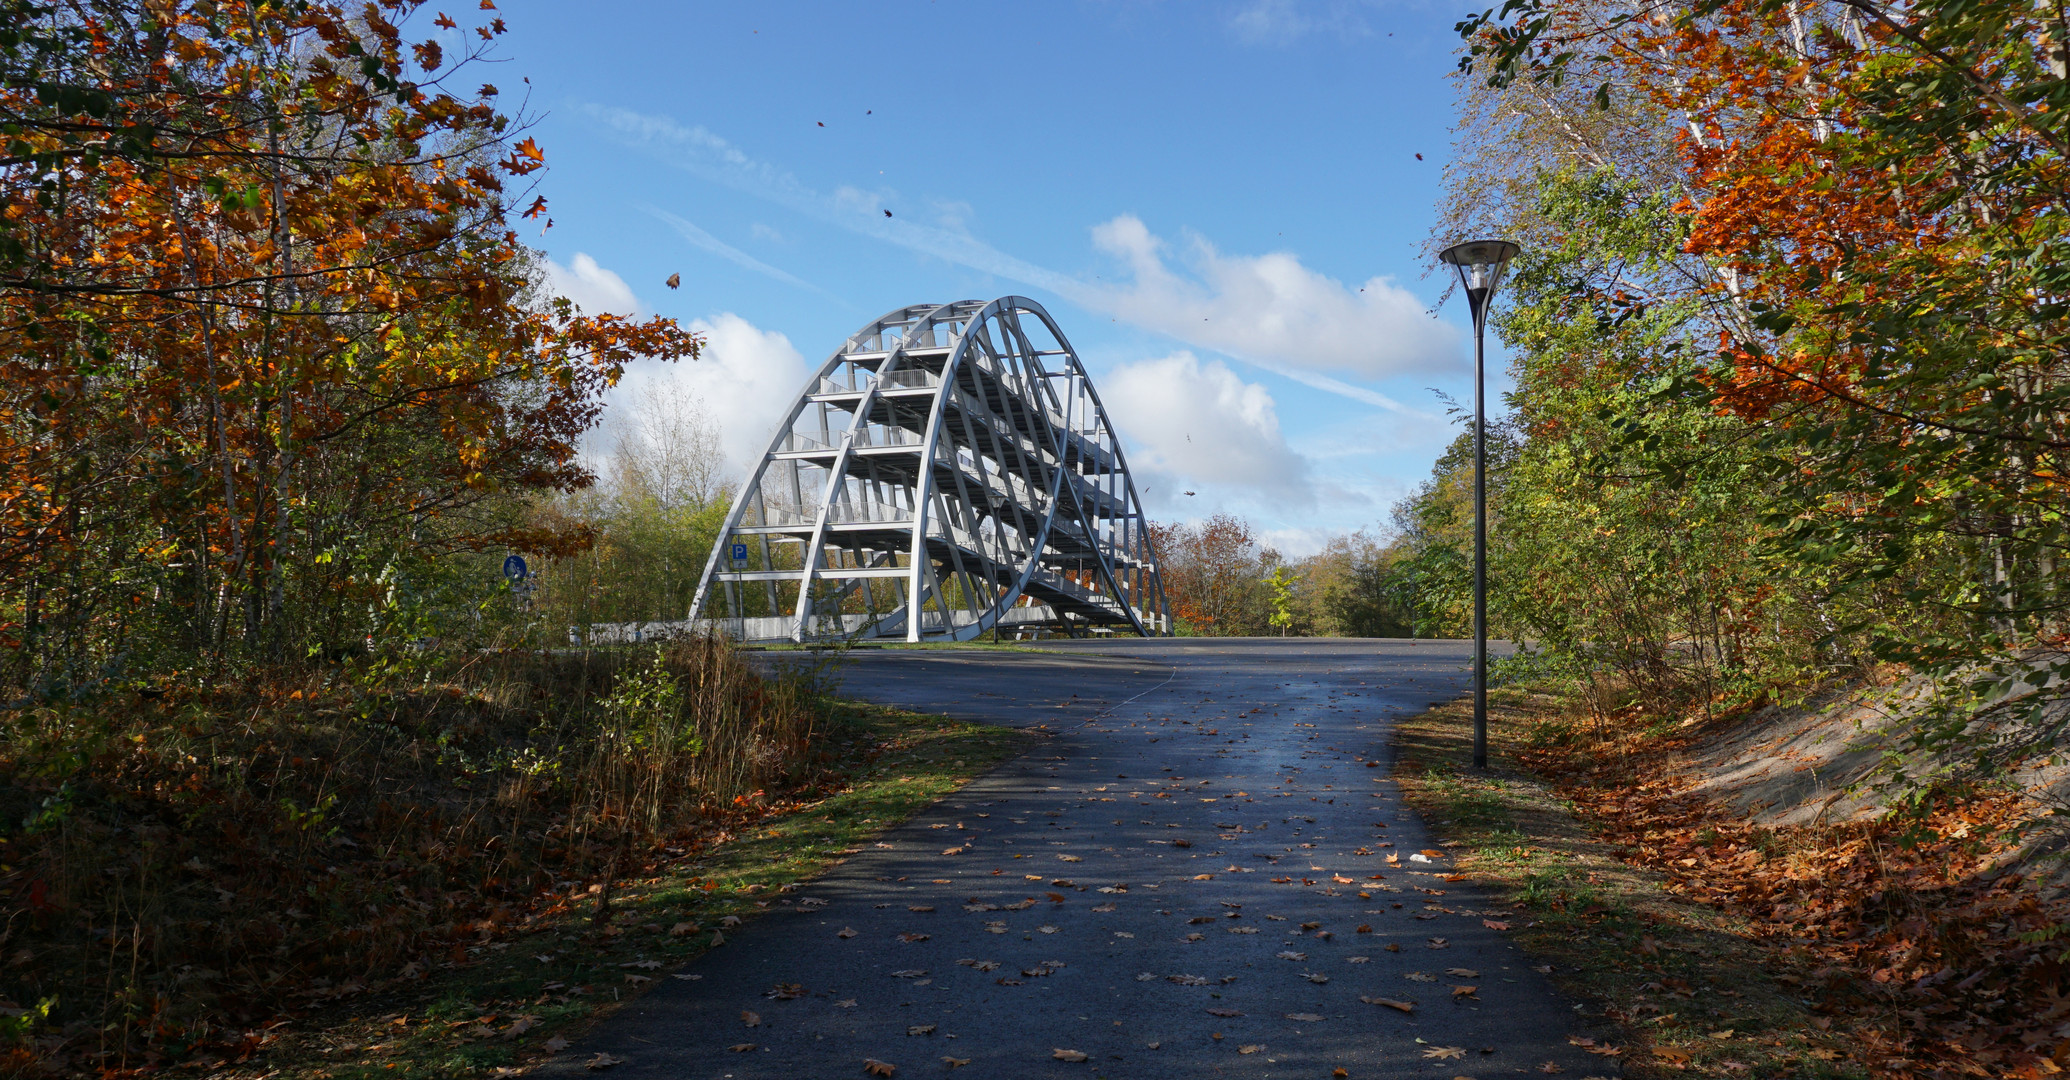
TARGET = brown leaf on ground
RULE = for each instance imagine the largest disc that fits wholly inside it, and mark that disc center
(921, 1029)
(911, 938)
(1305, 1018)
(845, 932)
(1463, 973)
(922, 908)
(741, 1048)
(1466, 991)
(1068, 1055)
(750, 1019)
(1404, 1006)
(602, 1061)
(1671, 1055)
(1444, 1053)
(1225, 1012)
(1551, 1067)
(1250, 1049)
(555, 1045)
(1339, 1073)
(1495, 924)
(954, 1062)
(878, 1068)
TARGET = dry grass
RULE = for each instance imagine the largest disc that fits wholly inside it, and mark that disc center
(191, 864)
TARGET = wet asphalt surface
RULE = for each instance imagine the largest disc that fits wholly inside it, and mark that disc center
(1189, 877)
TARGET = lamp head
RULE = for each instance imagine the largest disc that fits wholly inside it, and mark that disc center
(1480, 264)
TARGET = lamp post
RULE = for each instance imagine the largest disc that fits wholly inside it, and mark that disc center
(1480, 264)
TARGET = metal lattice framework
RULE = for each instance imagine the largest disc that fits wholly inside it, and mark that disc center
(949, 470)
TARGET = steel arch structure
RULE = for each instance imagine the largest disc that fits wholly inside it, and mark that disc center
(949, 470)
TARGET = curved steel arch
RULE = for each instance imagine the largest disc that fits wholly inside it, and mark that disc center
(949, 470)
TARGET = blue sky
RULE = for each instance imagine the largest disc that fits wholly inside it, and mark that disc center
(1220, 202)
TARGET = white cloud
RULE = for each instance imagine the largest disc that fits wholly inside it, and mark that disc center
(1194, 424)
(1268, 310)
(1271, 309)
(593, 289)
(698, 238)
(746, 380)
(1281, 22)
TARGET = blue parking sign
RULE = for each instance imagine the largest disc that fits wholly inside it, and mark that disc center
(740, 554)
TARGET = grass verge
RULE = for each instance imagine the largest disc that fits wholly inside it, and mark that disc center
(512, 996)
(1688, 987)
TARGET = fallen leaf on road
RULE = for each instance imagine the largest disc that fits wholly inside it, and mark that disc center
(1365, 928)
(1550, 1067)
(1339, 1072)
(687, 978)
(1444, 1053)
(555, 1045)
(910, 938)
(1393, 947)
(1046, 929)
(1225, 1012)
(1314, 977)
(1725, 1034)
(1463, 973)
(1293, 956)
(1495, 924)
(878, 1068)
(1341, 879)
(955, 1062)
(846, 932)
(1070, 858)
(921, 1029)
(1466, 991)
(1186, 980)
(921, 907)
(730, 920)
(1438, 943)
(751, 1019)
(741, 1048)
(603, 1061)
(1251, 1049)
(1671, 1055)
(1068, 1055)
(1357, 959)
(643, 965)
(1404, 1006)
(1305, 1018)
(638, 979)
(909, 973)
(845, 1003)
(785, 991)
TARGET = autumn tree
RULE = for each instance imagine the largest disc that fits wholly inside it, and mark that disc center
(270, 336)
(1214, 575)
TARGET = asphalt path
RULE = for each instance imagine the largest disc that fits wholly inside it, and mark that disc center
(1204, 870)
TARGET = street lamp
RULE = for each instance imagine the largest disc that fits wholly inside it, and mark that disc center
(1480, 264)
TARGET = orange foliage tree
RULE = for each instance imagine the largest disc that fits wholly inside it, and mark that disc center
(1214, 575)
(267, 330)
